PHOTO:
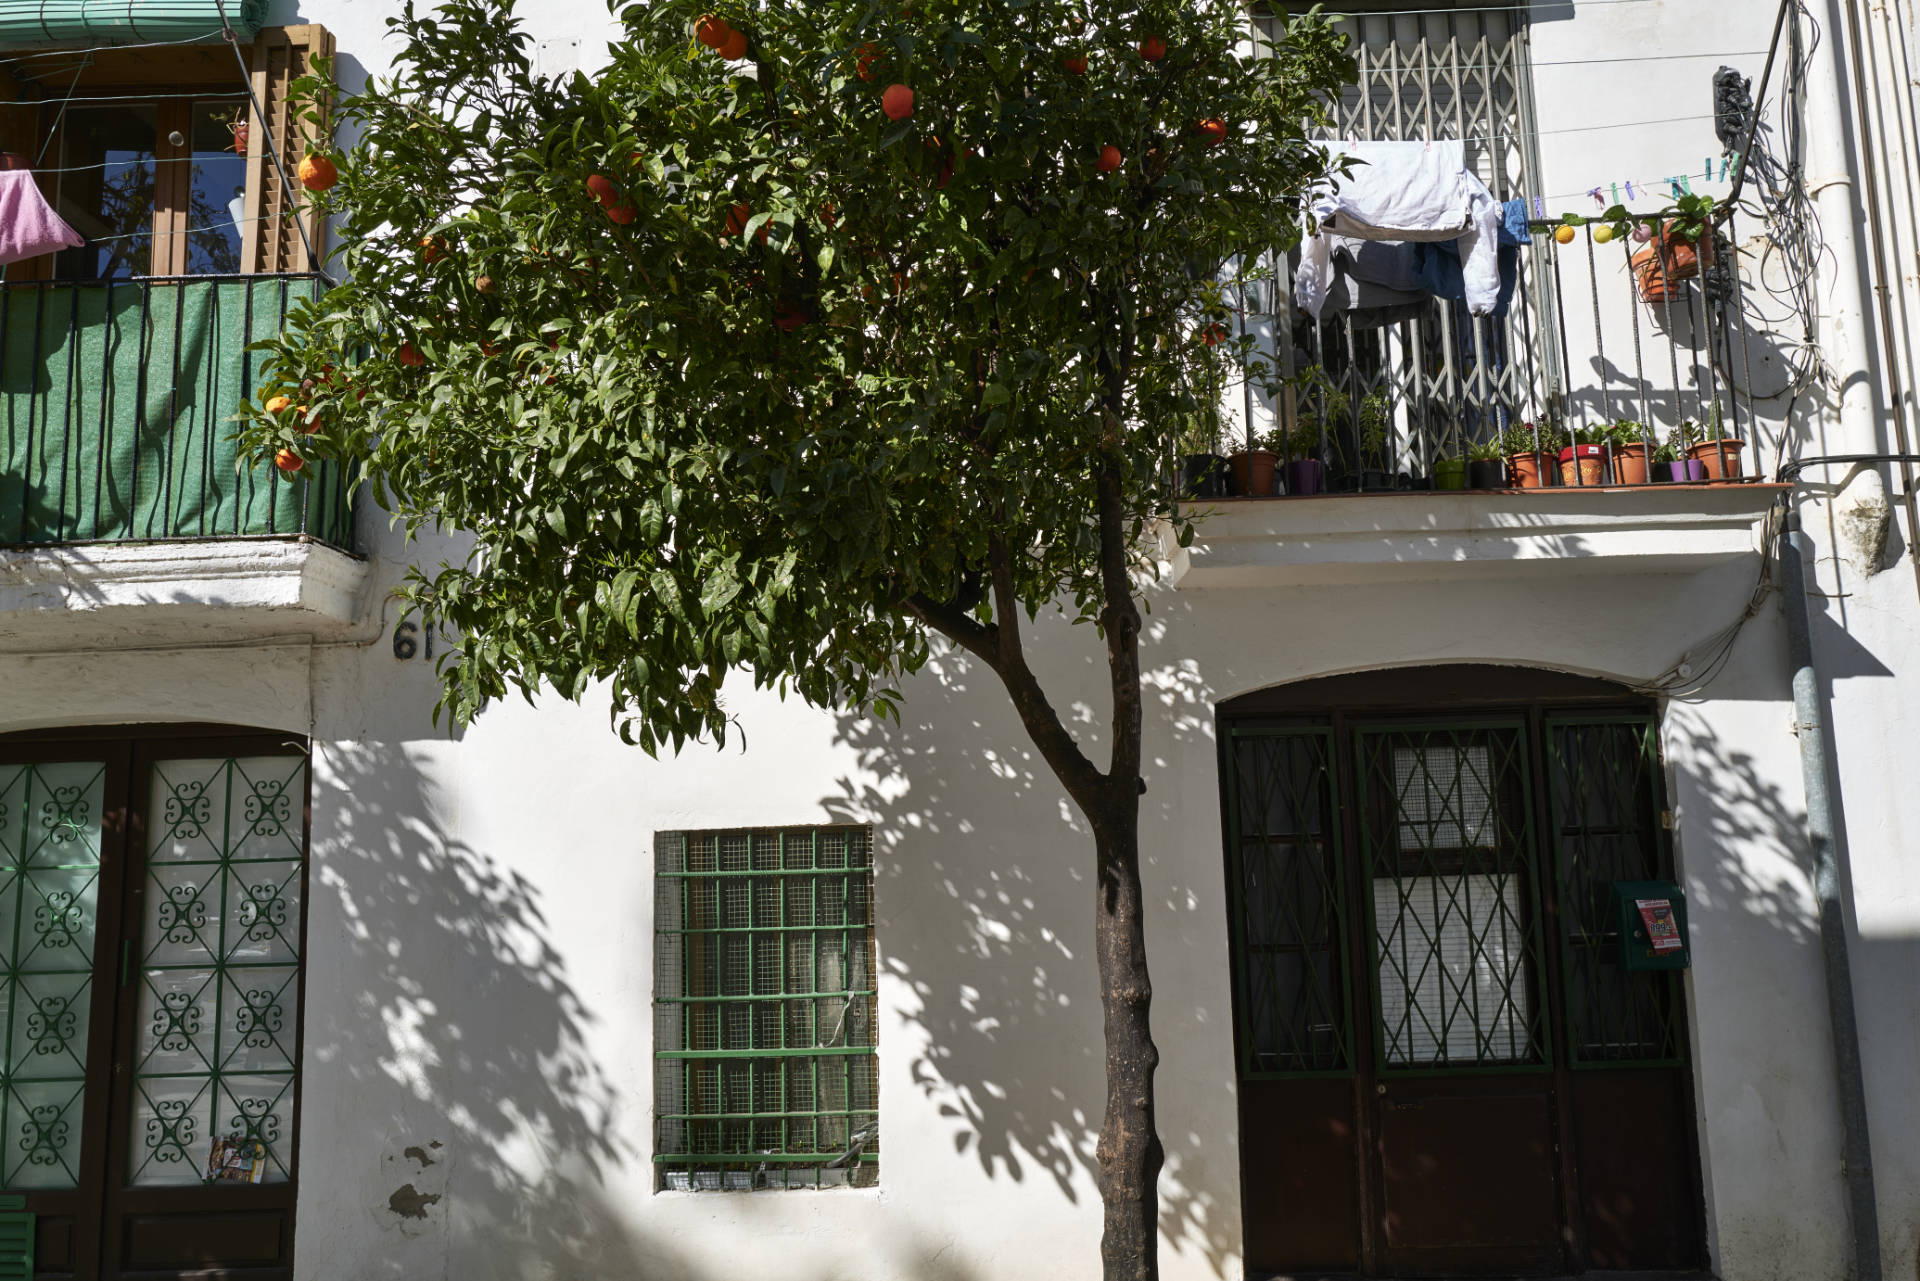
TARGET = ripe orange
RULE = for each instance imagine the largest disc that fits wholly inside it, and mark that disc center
(308, 424)
(711, 31)
(277, 404)
(317, 173)
(432, 248)
(897, 102)
(1563, 234)
(1213, 335)
(864, 58)
(288, 461)
(622, 213)
(602, 188)
(410, 356)
(736, 46)
(1153, 48)
(1213, 131)
(1110, 158)
(1075, 64)
(737, 218)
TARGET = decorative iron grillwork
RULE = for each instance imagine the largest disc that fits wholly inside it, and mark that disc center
(1450, 862)
(50, 817)
(1608, 799)
(765, 1072)
(219, 966)
(1288, 909)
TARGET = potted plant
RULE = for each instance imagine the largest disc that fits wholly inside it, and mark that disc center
(1486, 465)
(238, 128)
(1667, 465)
(1203, 472)
(1527, 447)
(1253, 468)
(1714, 450)
(1369, 467)
(1583, 460)
(1631, 441)
(1449, 473)
(1682, 469)
(1305, 473)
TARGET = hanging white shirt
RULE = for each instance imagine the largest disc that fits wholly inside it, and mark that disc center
(1404, 191)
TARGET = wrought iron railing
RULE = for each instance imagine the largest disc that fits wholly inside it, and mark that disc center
(117, 404)
(1618, 362)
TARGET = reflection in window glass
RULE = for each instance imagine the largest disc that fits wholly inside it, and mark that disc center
(106, 189)
(218, 202)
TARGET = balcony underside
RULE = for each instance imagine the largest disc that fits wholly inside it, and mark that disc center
(1432, 536)
(116, 595)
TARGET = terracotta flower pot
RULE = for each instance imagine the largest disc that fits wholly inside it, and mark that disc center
(1630, 464)
(1720, 457)
(1529, 470)
(1253, 473)
(1591, 460)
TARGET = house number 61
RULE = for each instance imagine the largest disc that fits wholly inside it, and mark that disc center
(409, 640)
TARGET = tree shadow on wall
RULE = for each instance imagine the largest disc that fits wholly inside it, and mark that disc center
(458, 1122)
(984, 885)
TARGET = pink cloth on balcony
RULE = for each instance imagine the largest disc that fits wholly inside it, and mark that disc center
(28, 225)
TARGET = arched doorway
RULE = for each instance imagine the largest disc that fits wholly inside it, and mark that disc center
(1446, 1065)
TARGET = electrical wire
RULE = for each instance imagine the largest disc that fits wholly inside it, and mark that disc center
(209, 38)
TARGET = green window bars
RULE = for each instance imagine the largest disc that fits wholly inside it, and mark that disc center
(765, 1071)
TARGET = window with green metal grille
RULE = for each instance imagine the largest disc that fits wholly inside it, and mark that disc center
(765, 1069)
(1608, 825)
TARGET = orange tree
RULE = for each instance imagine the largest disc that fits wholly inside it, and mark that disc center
(800, 340)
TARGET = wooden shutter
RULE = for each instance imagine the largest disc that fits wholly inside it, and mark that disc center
(273, 244)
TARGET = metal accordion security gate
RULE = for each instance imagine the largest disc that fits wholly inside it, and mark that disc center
(1445, 1065)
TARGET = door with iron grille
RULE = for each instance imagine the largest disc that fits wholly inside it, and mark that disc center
(151, 921)
(1445, 1067)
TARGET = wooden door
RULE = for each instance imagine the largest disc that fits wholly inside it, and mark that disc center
(159, 1131)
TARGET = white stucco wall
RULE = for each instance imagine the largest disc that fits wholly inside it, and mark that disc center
(479, 934)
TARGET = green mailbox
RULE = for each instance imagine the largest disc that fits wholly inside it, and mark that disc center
(1652, 919)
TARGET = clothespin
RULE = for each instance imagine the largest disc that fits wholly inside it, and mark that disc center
(1673, 185)
(1686, 184)
(1616, 193)
(1708, 175)
(1630, 195)
(1598, 199)
(1539, 207)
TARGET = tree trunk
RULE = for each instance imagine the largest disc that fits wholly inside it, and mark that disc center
(1129, 1150)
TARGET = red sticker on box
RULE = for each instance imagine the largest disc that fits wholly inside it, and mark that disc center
(1663, 932)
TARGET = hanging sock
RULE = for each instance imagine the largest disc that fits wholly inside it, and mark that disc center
(28, 225)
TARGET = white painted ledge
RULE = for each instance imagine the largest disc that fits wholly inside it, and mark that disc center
(1428, 536)
(106, 596)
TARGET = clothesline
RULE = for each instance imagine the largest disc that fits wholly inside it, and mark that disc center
(129, 97)
(208, 38)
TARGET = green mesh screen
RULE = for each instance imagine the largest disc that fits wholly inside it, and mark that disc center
(765, 1074)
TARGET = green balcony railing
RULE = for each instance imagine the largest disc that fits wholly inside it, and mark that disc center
(117, 403)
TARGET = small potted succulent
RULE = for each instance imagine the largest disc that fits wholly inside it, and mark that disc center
(1305, 473)
(1486, 465)
(1203, 473)
(1583, 460)
(1253, 468)
(1527, 447)
(1631, 443)
(1718, 452)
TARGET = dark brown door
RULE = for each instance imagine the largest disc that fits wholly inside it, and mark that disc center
(1444, 1069)
(157, 1132)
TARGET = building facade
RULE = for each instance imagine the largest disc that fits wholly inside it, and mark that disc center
(300, 985)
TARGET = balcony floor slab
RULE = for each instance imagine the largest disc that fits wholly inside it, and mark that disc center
(1333, 539)
(118, 596)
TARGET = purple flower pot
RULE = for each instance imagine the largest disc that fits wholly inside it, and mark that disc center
(1305, 476)
(1688, 471)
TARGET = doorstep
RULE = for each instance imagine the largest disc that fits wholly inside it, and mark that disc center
(1429, 535)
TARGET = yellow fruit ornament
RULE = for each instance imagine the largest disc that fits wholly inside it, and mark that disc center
(1602, 234)
(1563, 234)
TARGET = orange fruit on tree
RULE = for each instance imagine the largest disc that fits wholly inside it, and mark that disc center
(1213, 132)
(1074, 64)
(309, 422)
(737, 218)
(410, 356)
(1153, 48)
(277, 404)
(316, 172)
(712, 30)
(864, 58)
(1213, 335)
(288, 461)
(736, 46)
(1110, 158)
(432, 248)
(897, 102)
(602, 188)
(622, 213)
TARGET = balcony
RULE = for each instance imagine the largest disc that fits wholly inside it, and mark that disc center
(123, 503)
(1597, 424)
